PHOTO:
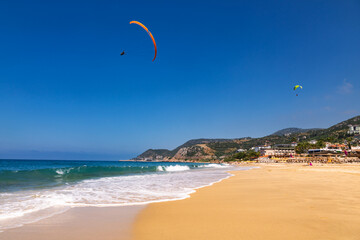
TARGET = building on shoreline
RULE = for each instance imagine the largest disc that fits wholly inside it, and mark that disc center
(260, 148)
(279, 150)
(330, 149)
(324, 152)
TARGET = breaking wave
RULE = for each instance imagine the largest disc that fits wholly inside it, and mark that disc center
(33, 194)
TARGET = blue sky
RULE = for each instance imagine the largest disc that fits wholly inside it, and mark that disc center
(225, 69)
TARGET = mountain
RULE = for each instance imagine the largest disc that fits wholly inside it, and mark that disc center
(287, 131)
(191, 149)
(204, 149)
(337, 131)
(155, 154)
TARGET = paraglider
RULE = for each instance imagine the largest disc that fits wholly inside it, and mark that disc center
(296, 87)
(151, 36)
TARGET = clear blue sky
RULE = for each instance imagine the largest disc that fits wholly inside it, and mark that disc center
(225, 69)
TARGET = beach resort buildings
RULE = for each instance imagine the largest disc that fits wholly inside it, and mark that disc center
(260, 148)
(330, 149)
(288, 150)
(278, 150)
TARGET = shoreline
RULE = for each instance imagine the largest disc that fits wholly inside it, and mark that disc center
(144, 184)
(64, 220)
(277, 201)
(241, 204)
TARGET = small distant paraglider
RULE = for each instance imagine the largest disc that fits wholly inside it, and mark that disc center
(151, 36)
(296, 87)
(122, 53)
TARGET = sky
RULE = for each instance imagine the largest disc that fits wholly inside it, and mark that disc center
(225, 69)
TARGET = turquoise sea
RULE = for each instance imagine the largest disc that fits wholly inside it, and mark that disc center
(34, 189)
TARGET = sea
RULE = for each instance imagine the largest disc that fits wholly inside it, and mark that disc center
(31, 190)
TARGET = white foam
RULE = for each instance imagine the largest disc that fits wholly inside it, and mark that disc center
(176, 168)
(214, 165)
(60, 171)
(18, 208)
(63, 171)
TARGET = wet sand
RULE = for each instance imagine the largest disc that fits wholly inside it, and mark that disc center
(272, 202)
(88, 223)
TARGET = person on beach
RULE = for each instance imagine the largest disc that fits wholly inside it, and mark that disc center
(310, 164)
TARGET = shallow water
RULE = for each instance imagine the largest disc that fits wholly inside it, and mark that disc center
(33, 190)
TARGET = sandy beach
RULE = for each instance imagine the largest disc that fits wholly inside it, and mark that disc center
(271, 202)
(85, 223)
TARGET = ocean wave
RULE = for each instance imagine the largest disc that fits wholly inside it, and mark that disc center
(215, 165)
(33, 190)
(176, 168)
(27, 179)
(179, 168)
(173, 168)
(160, 168)
(63, 171)
(22, 207)
(11, 180)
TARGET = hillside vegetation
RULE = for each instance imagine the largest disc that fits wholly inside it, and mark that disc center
(218, 149)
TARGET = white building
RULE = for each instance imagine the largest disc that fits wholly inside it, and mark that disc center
(259, 148)
(278, 150)
(354, 129)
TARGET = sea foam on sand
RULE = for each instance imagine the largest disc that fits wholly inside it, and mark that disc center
(168, 183)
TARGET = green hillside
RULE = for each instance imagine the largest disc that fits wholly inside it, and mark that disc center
(213, 149)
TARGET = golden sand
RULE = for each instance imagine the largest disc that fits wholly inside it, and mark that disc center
(271, 202)
(87, 223)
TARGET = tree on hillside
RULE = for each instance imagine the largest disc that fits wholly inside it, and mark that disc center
(349, 140)
(302, 147)
(331, 139)
(243, 156)
(320, 144)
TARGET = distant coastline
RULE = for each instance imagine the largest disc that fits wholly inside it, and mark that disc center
(288, 145)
